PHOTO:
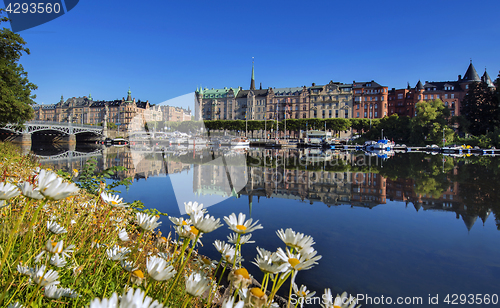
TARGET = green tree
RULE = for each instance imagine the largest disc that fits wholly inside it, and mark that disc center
(16, 99)
(431, 118)
(480, 108)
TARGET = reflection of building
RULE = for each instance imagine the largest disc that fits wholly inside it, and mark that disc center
(368, 189)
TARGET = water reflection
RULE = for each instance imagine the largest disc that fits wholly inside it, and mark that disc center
(409, 225)
(466, 186)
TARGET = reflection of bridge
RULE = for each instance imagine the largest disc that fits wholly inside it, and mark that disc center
(66, 129)
(68, 155)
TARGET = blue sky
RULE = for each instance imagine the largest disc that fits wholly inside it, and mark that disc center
(164, 49)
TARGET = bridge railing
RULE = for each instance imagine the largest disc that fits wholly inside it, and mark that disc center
(64, 124)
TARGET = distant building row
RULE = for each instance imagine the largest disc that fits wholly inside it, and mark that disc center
(333, 100)
(84, 110)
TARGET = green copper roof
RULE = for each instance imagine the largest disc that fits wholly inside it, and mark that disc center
(218, 93)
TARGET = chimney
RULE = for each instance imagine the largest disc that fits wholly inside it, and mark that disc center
(459, 77)
(313, 84)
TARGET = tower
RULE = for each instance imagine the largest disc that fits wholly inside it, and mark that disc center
(252, 82)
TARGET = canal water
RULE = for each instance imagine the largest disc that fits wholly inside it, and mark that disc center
(415, 228)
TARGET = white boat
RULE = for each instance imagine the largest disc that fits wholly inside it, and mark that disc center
(318, 138)
(240, 141)
(384, 144)
(317, 155)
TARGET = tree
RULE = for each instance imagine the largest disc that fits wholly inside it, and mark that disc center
(15, 89)
(431, 118)
(480, 108)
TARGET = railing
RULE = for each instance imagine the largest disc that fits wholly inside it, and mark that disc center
(64, 124)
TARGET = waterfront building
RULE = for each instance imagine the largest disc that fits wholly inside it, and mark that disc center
(86, 110)
(333, 100)
(452, 93)
(369, 100)
(403, 101)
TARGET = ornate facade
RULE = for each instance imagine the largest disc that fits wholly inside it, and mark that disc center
(85, 110)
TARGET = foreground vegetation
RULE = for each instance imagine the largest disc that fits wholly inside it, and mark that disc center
(63, 245)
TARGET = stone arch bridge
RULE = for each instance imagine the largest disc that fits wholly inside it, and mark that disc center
(69, 130)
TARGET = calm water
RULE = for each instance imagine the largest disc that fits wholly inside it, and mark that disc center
(414, 225)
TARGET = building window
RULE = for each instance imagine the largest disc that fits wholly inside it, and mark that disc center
(346, 114)
(425, 96)
(329, 113)
(446, 96)
(365, 114)
(400, 96)
(437, 95)
(452, 95)
(357, 106)
(336, 113)
(376, 114)
(466, 86)
(357, 114)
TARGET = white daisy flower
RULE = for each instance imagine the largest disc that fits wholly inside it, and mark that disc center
(54, 247)
(57, 189)
(8, 191)
(129, 266)
(30, 191)
(117, 253)
(25, 270)
(268, 262)
(123, 235)
(197, 284)
(239, 225)
(137, 298)
(193, 207)
(221, 246)
(295, 239)
(45, 177)
(244, 239)
(53, 292)
(67, 292)
(229, 303)
(55, 228)
(180, 221)
(296, 261)
(303, 294)
(105, 303)
(147, 222)
(113, 200)
(205, 224)
(16, 305)
(58, 261)
(43, 278)
(341, 301)
(159, 269)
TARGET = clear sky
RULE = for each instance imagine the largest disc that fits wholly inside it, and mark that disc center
(164, 49)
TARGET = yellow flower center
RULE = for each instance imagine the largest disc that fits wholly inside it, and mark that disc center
(54, 244)
(207, 261)
(241, 227)
(184, 223)
(293, 262)
(114, 202)
(242, 272)
(138, 274)
(194, 230)
(164, 239)
(257, 292)
(303, 294)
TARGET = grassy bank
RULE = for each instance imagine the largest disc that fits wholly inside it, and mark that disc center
(67, 241)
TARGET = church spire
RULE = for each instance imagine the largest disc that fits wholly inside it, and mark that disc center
(252, 82)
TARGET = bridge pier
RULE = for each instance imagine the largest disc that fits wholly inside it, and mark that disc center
(72, 139)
